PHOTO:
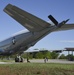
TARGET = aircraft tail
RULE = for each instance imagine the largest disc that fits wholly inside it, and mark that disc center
(56, 22)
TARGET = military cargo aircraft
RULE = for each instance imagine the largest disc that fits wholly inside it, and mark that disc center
(37, 29)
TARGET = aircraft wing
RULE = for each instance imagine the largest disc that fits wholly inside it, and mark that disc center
(31, 22)
(66, 27)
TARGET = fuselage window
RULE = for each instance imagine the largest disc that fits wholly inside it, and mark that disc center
(13, 40)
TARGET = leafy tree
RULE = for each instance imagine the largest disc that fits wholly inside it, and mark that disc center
(62, 56)
(39, 55)
(54, 55)
(47, 54)
(70, 57)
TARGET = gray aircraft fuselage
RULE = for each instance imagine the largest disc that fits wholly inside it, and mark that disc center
(37, 27)
(22, 41)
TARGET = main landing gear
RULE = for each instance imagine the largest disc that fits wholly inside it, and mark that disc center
(18, 59)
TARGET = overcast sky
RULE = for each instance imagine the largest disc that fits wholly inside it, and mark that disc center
(60, 9)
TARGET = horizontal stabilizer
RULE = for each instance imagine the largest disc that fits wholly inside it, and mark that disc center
(66, 27)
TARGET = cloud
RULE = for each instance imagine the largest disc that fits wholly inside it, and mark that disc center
(67, 41)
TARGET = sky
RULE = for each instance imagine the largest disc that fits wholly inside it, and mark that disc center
(60, 9)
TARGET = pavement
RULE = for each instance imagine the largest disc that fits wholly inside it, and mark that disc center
(51, 61)
(42, 61)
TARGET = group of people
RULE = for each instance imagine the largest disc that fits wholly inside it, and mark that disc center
(45, 60)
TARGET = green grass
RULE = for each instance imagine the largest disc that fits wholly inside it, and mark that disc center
(5, 60)
(36, 69)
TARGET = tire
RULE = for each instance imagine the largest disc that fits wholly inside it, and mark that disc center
(21, 60)
(16, 59)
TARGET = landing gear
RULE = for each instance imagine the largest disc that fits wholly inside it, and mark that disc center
(18, 59)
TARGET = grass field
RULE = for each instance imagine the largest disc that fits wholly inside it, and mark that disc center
(36, 69)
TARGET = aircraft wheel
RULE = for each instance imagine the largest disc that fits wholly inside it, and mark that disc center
(16, 59)
(21, 60)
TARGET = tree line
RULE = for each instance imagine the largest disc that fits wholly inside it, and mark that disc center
(42, 55)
